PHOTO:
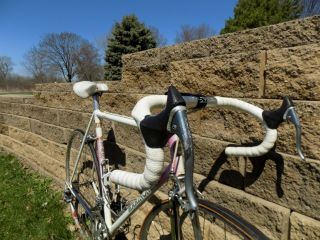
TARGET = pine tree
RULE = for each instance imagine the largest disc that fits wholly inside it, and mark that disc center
(257, 13)
(128, 36)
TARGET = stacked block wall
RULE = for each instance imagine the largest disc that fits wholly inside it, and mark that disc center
(278, 192)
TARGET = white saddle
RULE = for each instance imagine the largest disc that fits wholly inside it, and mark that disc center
(85, 89)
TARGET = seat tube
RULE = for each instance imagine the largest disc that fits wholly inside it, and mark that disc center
(101, 157)
(98, 130)
(96, 104)
(99, 141)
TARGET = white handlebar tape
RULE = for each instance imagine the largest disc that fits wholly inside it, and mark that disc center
(154, 156)
(269, 139)
(144, 106)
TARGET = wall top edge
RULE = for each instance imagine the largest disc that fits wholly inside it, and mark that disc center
(287, 34)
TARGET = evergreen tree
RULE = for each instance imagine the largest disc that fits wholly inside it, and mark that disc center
(128, 36)
(257, 13)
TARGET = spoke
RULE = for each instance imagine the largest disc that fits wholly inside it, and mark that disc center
(213, 223)
(81, 163)
(95, 188)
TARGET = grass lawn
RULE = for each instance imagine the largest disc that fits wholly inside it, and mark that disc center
(29, 209)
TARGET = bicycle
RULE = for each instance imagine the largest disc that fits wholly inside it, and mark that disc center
(93, 188)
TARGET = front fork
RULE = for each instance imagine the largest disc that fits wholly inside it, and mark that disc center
(196, 224)
(177, 173)
(175, 220)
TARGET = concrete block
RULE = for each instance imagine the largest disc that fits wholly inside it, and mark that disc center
(270, 218)
(129, 136)
(294, 72)
(303, 227)
(5, 107)
(53, 149)
(211, 162)
(16, 121)
(234, 75)
(151, 79)
(48, 131)
(73, 119)
(285, 180)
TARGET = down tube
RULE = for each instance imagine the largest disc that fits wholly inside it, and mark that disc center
(136, 205)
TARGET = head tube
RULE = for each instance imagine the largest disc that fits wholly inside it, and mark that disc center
(178, 124)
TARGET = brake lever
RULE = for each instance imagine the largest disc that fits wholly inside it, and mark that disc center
(286, 112)
(291, 116)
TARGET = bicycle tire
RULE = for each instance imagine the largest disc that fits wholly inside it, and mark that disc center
(85, 178)
(224, 224)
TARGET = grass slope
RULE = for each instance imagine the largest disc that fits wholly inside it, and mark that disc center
(29, 209)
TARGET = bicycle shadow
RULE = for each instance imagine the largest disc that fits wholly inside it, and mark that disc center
(117, 158)
(237, 180)
(113, 152)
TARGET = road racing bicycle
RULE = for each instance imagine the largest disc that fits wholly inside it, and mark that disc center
(94, 188)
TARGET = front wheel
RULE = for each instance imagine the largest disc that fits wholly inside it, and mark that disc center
(215, 221)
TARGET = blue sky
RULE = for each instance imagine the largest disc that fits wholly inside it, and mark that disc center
(24, 22)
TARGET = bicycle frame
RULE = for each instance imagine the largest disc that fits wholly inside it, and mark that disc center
(172, 121)
(174, 168)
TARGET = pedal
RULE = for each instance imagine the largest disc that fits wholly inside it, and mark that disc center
(67, 196)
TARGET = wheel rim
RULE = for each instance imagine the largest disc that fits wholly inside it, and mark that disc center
(210, 223)
(84, 179)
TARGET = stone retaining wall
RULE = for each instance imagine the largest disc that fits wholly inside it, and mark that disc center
(278, 193)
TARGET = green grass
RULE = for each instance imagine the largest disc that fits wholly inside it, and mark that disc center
(29, 209)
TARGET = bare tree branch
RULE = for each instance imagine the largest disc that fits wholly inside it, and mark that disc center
(64, 54)
(88, 67)
(35, 64)
(160, 39)
(62, 51)
(5, 67)
(190, 33)
(310, 8)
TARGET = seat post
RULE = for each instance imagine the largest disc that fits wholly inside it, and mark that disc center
(96, 105)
